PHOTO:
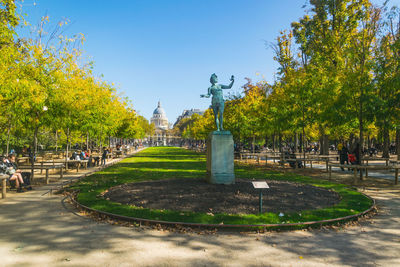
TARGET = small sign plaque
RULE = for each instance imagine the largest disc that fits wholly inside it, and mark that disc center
(260, 185)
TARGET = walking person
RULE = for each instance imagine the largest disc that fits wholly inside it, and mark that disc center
(104, 156)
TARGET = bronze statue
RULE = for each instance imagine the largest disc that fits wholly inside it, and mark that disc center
(217, 101)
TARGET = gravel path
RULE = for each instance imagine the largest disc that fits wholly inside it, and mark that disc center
(38, 230)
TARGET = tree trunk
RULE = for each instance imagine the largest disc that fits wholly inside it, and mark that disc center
(369, 141)
(266, 140)
(34, 151)
(37, 143)
(273, 142)
(239, 143)
(8, 138)
(398, 142)
(56, 141)
(326, 144)
(361, 121)
(66, 154)
(321, 139)
(386, 141)
(87, 140)
(351, 142)
(303, 141)
(321, 145)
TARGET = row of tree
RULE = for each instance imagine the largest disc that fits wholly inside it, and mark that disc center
(338, 79)
(46, 91)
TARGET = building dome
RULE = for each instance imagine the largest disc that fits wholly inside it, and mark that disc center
(159, 118)
(159, 110)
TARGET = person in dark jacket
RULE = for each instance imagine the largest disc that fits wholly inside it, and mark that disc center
(343, 154)
(104, 156)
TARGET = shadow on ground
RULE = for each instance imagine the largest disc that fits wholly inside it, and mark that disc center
(39, 230)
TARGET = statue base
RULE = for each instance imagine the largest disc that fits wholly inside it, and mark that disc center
(220, 168)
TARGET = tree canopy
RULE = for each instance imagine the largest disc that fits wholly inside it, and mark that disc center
(338, 78)
(45, 86)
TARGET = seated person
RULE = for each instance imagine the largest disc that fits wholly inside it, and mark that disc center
(15, 174)
(83, 156)
(352, 159)
(93, 160)
(372, 151)
(118, 150)
(25, 175)
(25, 151)
(96, 160)
(75, 156)
(293, 163)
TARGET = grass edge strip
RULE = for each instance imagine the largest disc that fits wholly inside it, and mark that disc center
(72, 197)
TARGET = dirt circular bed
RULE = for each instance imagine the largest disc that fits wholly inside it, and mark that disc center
(241, 198)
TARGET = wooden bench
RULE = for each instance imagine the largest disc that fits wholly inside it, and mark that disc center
(45, 167)
(366, 168)
(23, 160)
(310, 156)
(282, 159)
(47, 162)
(304, 160)
(78, 163)
(367, 159)
(257, 156)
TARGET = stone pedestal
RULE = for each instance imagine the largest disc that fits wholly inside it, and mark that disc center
(220, 168)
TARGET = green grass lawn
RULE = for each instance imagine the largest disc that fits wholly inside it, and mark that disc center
(167, 162)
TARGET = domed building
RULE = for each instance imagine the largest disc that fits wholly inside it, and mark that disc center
(160, 122)
(159, 118)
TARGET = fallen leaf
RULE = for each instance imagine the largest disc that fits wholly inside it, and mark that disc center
(18, 248)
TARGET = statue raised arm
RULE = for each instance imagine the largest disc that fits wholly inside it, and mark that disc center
(217, 101)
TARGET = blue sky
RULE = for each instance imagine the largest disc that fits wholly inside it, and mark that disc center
(167, 49)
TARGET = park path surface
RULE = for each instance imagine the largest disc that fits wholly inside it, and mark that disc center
(39, 229)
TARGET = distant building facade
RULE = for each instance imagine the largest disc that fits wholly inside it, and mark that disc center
(187, 113)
